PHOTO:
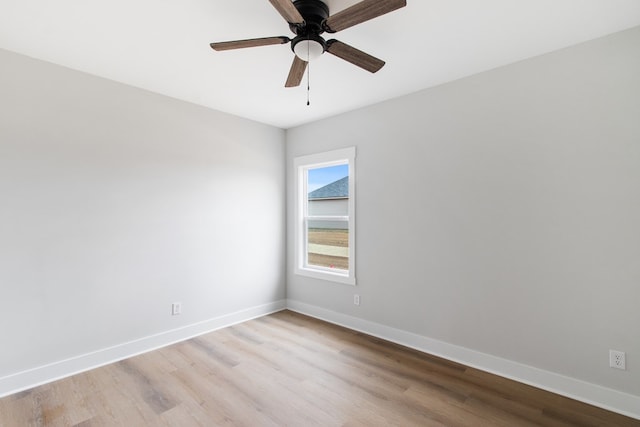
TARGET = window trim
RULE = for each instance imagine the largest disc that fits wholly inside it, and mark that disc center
(301, 165)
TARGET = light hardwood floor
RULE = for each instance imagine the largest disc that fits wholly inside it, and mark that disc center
(286, 369)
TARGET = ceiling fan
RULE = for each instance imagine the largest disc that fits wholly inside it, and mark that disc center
(308, 19)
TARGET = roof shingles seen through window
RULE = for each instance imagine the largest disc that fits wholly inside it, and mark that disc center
(336, 190)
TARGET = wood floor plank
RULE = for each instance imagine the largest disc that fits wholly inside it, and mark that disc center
(289, 369)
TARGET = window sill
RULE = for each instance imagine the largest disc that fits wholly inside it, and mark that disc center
(326, 275)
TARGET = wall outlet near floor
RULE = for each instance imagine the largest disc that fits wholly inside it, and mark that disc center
(617, 359)
(356, 299)
(176, 308)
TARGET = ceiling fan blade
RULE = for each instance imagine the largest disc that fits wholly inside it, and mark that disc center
(355, 56)
(240, 44)
(361, 12)
(296, 73)
(288, 11)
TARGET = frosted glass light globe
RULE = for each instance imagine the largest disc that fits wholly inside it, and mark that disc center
(308, 50)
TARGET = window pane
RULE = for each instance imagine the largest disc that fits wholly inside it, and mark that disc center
(328, 243)
(328, 190)
(320, 177)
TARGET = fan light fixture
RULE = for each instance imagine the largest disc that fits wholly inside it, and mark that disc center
(308, 50)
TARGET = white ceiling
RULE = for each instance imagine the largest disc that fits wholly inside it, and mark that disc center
(163, 46)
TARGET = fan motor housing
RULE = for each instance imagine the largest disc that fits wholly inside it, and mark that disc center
(314, 12)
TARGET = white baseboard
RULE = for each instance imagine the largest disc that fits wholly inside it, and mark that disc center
(44, 374)
(593, 394)
(606, 398)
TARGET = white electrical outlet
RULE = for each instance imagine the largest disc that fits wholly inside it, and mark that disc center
(356, 299)
(617, 359)
(176, 308)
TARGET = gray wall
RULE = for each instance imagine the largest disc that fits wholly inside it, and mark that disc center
(510, 222)
(115, 202)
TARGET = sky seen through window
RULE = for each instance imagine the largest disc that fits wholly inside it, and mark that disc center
(319, 177)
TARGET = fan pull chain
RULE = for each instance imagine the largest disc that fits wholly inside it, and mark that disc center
(308, 82)
(308, 73)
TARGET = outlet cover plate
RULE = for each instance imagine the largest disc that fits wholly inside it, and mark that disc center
(176, 308)
(617, 359)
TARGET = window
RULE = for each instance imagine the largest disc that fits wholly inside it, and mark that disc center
(325, 216)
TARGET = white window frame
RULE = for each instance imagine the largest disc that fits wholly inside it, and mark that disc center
(302, 165)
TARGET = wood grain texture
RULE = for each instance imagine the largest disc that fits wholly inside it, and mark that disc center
(243, 44)
(361, 12)
(298, 67)
(355, 56)
(288, 11)
(287, 369)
